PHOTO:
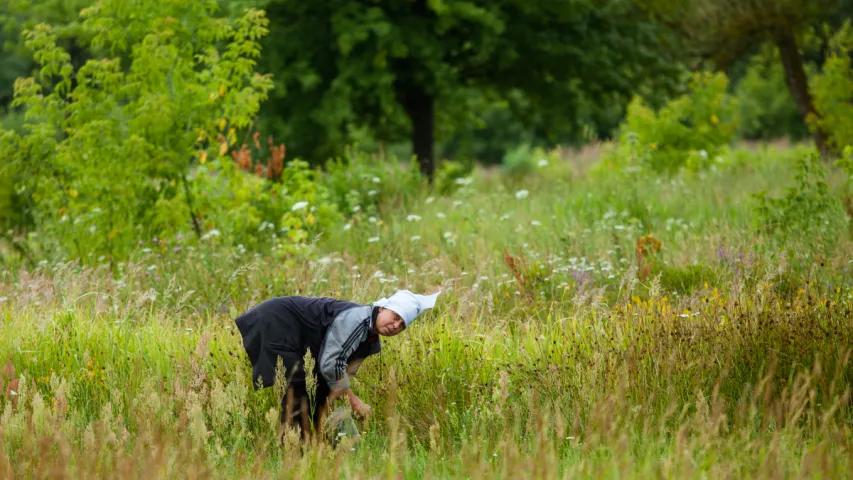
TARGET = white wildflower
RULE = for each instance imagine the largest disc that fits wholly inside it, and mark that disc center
(542, 163)
(298, 206)
(376, 180)
(413, 218)
(536, 223)
(211, 234)
(440, 215)
(372, 239)
(464, 181)
(415, 238)
(347, 226)
(521, 194)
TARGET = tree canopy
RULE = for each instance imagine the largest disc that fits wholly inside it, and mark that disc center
(125, 121)
(108, 144)
(723, 30)
(401, 67)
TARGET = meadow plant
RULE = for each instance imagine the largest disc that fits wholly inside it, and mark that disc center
(563, 361)
(690, 131)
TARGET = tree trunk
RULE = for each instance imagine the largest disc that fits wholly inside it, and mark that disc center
(416, 99)
(795, 77)
(419, 106)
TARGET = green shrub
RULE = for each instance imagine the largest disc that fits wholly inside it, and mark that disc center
(833, 91)
(491, 131)
(519, 160)
(245, 209)
(107, 147)
(361, 184)
(450, 175)
(766, 107)
(690, 131)
(808, 217)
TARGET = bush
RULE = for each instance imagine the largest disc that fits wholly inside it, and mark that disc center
(492, 131)
(767, 109)
(248, 210)
(108, 147)
(451, 174)
(361, 184)
(519, 160)
(833, 91)
(690, 131)
(808, 217)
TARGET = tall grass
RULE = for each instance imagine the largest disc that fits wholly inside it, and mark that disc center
(546, 356)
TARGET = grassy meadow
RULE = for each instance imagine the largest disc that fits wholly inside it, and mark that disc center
(594, 323)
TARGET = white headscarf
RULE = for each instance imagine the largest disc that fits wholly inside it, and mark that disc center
(407, 304)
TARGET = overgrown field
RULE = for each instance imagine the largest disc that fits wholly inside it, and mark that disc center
(604, 323)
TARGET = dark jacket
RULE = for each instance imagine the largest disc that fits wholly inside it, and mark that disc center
(335, 331)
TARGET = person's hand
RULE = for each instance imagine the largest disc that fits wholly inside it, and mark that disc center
(361, 409)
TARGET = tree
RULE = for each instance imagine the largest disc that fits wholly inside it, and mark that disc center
(108, 145)
(724, 30)
(16, 16)
(402, 67)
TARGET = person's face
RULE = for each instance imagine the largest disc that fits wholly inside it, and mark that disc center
(389, 323)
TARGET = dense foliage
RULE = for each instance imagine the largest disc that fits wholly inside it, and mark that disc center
(583, 319)
(669, 300)
(414, 68)
(106, 150)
